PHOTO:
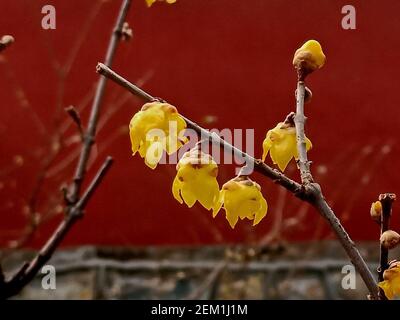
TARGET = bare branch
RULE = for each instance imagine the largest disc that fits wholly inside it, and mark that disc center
(316, 197)
(74, 204)
(299, 121)
(28, 271)
(386, 200)
(208, 282)
(94, 115)
(261, 167)
(95, 182)
(310, 193)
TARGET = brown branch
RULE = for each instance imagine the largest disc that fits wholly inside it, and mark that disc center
(74, 203)
(299, 121)
(28, 271)
(386, 200)
(208, 282)
(259, 166)
(317, 199)
(94, 115)
(310, 193)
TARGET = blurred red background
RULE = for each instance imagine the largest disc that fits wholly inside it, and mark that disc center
(224, 64)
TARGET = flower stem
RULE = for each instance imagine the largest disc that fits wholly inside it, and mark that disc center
(386, 200)
(299, 121)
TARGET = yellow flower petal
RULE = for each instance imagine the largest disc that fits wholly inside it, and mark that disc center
(176, 188)
(391, 283)
(261, 213)
(153, 154)
(232, 218)
(387, 289)
(207, 192)
(150, 2)
(281, 156)
(188, 197)
(219, 203)
(267, 144)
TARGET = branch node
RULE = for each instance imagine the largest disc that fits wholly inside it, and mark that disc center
(126, 32)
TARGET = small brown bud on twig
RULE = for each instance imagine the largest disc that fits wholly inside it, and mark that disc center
(6, 41)
(307, 95)
(76, 118)
(126, 32)
(390, 239)
(376, 211)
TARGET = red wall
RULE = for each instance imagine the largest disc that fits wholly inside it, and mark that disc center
(227, 58)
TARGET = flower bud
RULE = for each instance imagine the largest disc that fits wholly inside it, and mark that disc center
(390, 239)
(376, 211)
(308, 58)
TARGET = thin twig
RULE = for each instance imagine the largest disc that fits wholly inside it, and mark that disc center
(74, 204)
(94, 115)
(316, 196)
(29, 270)
(74, 114)
(299, 121)
(310, 193)
(386, 200)
(208, 282)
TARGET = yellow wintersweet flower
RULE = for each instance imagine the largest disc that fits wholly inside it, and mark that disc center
(241, 198)
(281, 144)
(155, 128)
(391, 283)
(309, 57)
(196, 179)
(150, 2)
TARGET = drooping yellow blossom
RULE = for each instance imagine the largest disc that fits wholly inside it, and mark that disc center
(309, 57)
(391, 283)
(196, 179)
(155, 128)
(241, 198)
(150, 2)
(281, 144)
